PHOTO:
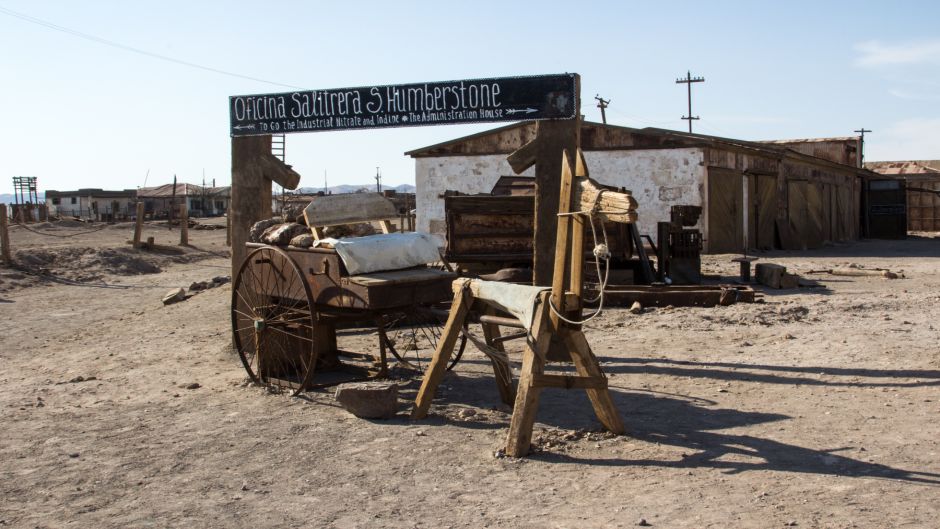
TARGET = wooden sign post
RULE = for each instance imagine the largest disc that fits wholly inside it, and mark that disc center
(253, 170)
(253, 118)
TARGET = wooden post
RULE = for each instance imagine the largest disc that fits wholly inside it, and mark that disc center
(169, 220)
(184, 223)
(253, 170)
(228, 224)
(139, 224)
(4, 236)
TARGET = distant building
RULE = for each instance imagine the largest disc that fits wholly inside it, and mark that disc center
(201, 201)
(794, 194)
(92, 204)
(922, 181)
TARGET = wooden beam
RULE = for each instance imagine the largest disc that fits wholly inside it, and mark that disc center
(586, 364)
(554, 137)
(524, 157)
(563, 238)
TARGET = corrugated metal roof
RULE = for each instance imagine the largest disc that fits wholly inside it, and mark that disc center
(905, 167)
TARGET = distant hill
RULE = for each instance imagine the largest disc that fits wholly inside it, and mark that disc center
(336, 190)
(8, 198)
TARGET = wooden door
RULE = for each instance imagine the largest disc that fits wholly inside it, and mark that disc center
(725, 212)
(762, 214)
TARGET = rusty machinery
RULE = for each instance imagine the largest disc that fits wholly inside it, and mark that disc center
(679, 249)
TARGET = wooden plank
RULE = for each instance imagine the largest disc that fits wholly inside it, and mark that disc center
(395, 277)
(568, 382)
(698, 296)
(386, 226)
(4, 236)
(562, 239)
(348, 208)
(445, 348)
(586, 364)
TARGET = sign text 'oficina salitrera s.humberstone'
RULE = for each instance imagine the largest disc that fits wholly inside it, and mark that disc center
(438, 103)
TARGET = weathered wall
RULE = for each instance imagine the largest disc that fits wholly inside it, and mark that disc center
(658, 178)
(467, 174)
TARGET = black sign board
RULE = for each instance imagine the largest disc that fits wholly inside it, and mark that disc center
(409, 105)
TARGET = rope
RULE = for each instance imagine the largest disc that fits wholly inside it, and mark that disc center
(601, 251)
(27, 228)
(499, 357)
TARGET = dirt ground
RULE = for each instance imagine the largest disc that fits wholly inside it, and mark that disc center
(816, 408)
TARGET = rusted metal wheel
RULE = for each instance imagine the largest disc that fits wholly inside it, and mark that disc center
(273, 320)
(412, 336)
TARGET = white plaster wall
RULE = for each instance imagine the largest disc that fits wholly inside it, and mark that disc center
(658, 178)
(467, 174)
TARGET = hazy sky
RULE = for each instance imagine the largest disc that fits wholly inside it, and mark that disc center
(83, 113)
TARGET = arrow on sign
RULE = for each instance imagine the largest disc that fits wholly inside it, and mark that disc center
(518, 110)
(247, 127)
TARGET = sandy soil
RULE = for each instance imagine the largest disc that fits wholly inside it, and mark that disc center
(816, 408)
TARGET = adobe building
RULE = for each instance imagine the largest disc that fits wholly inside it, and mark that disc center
(795, 194)
(92, 203)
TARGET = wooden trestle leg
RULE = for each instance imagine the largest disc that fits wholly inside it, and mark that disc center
(445, 348)
(527, 393)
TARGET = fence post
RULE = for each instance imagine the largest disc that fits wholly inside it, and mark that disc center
(4, 236)
(184, 224)
(139, 225)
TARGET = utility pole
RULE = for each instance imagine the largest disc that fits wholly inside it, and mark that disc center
(378, 181)
(688, 82)
(326, 188)
(602, 104)
(861, 146)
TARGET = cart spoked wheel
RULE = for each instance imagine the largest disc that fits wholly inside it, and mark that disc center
(412, 336)
(273, 320)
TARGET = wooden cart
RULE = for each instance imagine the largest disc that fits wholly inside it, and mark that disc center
(287, 303)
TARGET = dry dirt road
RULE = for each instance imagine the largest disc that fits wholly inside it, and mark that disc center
(816, 408)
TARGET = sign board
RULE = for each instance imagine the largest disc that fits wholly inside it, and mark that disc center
(408, 105)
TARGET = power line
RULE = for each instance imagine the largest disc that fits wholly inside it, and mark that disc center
(118, 45)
